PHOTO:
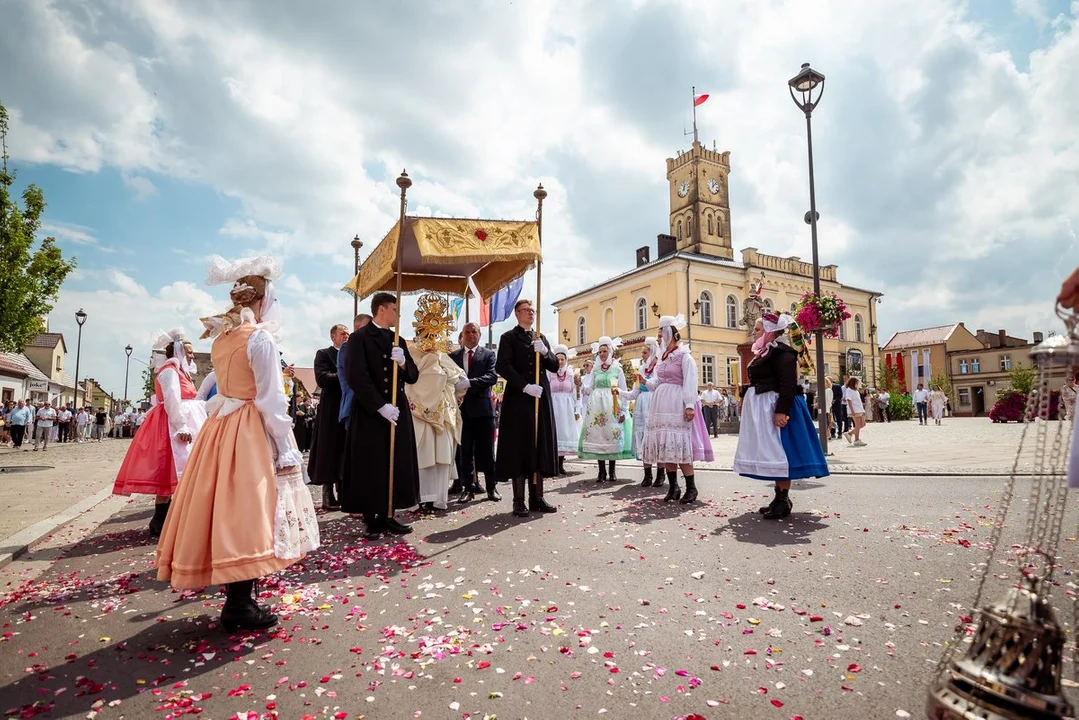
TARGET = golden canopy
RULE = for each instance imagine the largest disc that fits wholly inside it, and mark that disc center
(440, 254)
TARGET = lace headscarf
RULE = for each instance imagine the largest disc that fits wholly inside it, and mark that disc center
(252, 279)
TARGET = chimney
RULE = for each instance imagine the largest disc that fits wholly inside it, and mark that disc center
(1038, 338)
(642, 256)
(1003, 336)
(667, 245)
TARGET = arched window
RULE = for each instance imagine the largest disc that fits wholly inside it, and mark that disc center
(768, 304)
(794, 308)
(608, 321)
(689, 227)
(732, 311)
(642, 313)
(706, 308)
(679, 229)
(710, 222)
(581, 335)
(842, 330)
(859, 335)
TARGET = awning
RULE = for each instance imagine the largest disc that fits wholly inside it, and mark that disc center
(440, 254)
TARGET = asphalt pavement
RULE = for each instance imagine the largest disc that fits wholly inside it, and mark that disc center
(619, 606)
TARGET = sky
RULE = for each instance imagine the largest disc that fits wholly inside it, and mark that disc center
(164, 131)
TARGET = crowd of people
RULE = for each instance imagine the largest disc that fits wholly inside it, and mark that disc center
(37, 424)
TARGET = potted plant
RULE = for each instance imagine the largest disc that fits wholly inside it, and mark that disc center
(822, 312)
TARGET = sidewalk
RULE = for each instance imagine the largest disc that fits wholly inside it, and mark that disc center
(66, 480)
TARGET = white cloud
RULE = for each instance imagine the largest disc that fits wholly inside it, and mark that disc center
(945, 174)
(142, 186)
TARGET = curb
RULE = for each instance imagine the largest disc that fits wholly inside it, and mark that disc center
(16, 545)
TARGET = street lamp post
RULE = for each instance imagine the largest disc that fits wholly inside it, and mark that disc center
(356, 245)
(127, 370)
(80, 318)
(807, 83)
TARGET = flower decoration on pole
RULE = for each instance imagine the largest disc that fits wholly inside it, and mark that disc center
(824, 312)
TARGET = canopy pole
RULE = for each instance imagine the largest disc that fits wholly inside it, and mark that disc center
(403, 182)
(539, 194)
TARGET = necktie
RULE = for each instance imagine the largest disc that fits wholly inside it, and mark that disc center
(468, 362)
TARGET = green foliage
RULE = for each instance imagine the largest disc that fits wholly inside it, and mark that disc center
(30, 279)
(900, 407)
(1022, 378)
(888, 379)
(147, 382)
(627, 368)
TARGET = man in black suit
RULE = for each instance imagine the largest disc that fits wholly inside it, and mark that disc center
(477, 451)
(324, 463)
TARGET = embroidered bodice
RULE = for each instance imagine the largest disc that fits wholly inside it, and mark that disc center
(560, 385)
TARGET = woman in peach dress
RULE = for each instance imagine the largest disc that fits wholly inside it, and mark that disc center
(241, 510)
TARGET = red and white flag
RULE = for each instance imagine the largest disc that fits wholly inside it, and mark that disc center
(699, 100)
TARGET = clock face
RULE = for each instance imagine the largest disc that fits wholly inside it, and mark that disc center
(713, 185)
(683, 189)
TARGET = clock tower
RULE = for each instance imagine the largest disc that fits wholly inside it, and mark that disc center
(700, 203)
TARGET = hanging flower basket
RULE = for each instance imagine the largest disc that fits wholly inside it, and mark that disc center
(823, 313)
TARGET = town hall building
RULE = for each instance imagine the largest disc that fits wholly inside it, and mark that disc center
(695, 273)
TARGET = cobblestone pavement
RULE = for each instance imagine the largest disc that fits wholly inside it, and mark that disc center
(959, 446)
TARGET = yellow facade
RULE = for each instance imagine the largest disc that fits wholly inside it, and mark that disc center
(696, 265)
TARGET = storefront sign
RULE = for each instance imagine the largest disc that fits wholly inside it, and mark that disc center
(39, 385)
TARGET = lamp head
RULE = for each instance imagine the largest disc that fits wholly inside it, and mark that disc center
(806, 88)
(357, 243)
(128, 350)
(80, 317)
(655, 309)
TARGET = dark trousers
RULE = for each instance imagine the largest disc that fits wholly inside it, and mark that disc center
(477, 451)
(923, 412)
(711, 420)
(17, 433)
(62, 432)
(839, 416)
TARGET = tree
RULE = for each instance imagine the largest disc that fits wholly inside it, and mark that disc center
(30, 279)
(888, 378)
(147, 382)
(1022, 378)
(942, 381)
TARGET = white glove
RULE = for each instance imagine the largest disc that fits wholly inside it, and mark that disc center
(389, 412)
(540, 347)
(534, 390)
(398, 356)
(464, 384)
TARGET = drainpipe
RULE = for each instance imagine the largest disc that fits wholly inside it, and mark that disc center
(689, 307)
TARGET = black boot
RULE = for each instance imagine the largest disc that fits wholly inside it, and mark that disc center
(782, 506)
(492, 489)
(647, 482)
(602, 477)
(767, 508)
(673, 492)
(329, 500)
(519, 508)
(691, 490)
(242, 611)
(535, 498)
(561, 465)
(157, 522)
(467, 493)
(660, 475)
(610, 473)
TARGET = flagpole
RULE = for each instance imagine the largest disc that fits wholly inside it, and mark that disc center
(539, 194)
(403, 182)
(693, 101)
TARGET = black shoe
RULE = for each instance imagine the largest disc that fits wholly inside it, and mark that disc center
(467, 495)
(492, 493)
(519, 509)
(536, 502)
(765, 508)
(611, 477)
(602, 477)
(396, 527)
(241, 611)
(157, 522)
(647, 482)
(673, 492)
(660, 475)
(561, 465)
(781, 508)
(329, 501)
(691, 491)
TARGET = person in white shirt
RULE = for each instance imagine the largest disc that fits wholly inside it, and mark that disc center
(883, 399)
(921, 401)
(857, 411)
(81, 421)
(710, 407)
(46, 416)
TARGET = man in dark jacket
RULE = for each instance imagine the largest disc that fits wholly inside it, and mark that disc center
(369, 369)
(477, 451)
(324, 465)
(527, 453)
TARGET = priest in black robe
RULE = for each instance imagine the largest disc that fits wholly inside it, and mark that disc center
(524, 456)
(328, 443)
(369, 372)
